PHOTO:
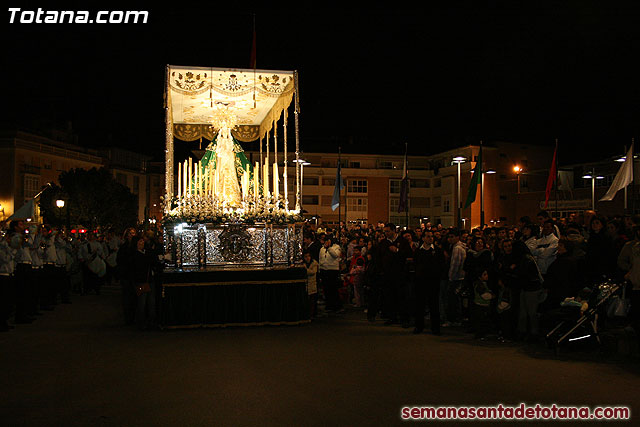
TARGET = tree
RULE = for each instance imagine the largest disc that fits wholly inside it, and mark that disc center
(92, 198)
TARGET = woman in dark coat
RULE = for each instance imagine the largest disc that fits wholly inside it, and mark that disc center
(529, 281)
(601, 259)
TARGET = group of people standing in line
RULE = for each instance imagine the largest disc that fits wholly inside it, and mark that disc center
(502, 281)
(42, 266)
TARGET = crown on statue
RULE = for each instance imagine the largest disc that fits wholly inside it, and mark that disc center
(223, 117)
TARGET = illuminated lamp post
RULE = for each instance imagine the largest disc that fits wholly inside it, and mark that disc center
(459, 160)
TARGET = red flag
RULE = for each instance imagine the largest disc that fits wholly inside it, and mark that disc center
(552, 177)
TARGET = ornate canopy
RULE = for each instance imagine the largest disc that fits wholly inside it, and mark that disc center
(258, 97)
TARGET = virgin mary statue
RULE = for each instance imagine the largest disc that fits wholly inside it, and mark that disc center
(228, 184)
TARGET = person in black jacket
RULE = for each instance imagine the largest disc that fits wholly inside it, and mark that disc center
(429, 266)
(312, 245)
(143, 284)
(123, 269)
(529, 281)
(601, 258)
(393, 251)
(564, 276)
(154, 249)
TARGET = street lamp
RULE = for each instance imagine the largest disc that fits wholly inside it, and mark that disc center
(459, 160)
(592, 176)
(622, 160)
(489, 172)
(60, 203)
(517, 169)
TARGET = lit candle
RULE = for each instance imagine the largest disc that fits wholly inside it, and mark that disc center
(244, 185)
(208, 175)
(200, 179)
(213, 182)
(265, 180)
(276, 189)
(256, 174)
(216, 184)
(184, 179)
(179, 180)
(190, 176)
(195, 179)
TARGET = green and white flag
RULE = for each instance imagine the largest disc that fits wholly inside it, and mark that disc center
(475, 180)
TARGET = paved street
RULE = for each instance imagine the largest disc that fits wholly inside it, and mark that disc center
(78, 365)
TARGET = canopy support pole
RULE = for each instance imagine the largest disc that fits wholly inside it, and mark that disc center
(284, 172)
(168, 170)
(296, 112)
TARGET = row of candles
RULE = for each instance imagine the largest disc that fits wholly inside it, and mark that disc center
(196, 180)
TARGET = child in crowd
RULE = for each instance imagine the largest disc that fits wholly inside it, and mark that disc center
(312, 288)
(581, 301)
(481, 303)
(357, 278)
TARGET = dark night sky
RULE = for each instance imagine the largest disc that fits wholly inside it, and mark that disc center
(436, 77)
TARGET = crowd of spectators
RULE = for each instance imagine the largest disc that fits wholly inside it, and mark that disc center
(504, 282)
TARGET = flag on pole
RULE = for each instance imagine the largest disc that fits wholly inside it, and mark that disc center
(403, 204)
(252, 61)
(623, 177)
(475, 180)
(552, 176)
(335, 202)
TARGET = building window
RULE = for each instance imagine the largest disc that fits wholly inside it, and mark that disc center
(385, 164)
(309, 200)
(355, 165)
(421, 202)
(310, 180)
(394, 186)
(357, 186)
(356, 204)
(328, 181)
(437, 201)
(31, 186)
(437, 182)
(136, 184)
(419, 183)
(503, 197)
(393, 204)
(446, 205)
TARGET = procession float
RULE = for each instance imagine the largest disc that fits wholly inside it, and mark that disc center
(232, 225)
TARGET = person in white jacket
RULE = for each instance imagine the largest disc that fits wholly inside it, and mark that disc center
(546, 247)
(6, 280)
(330, 255)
